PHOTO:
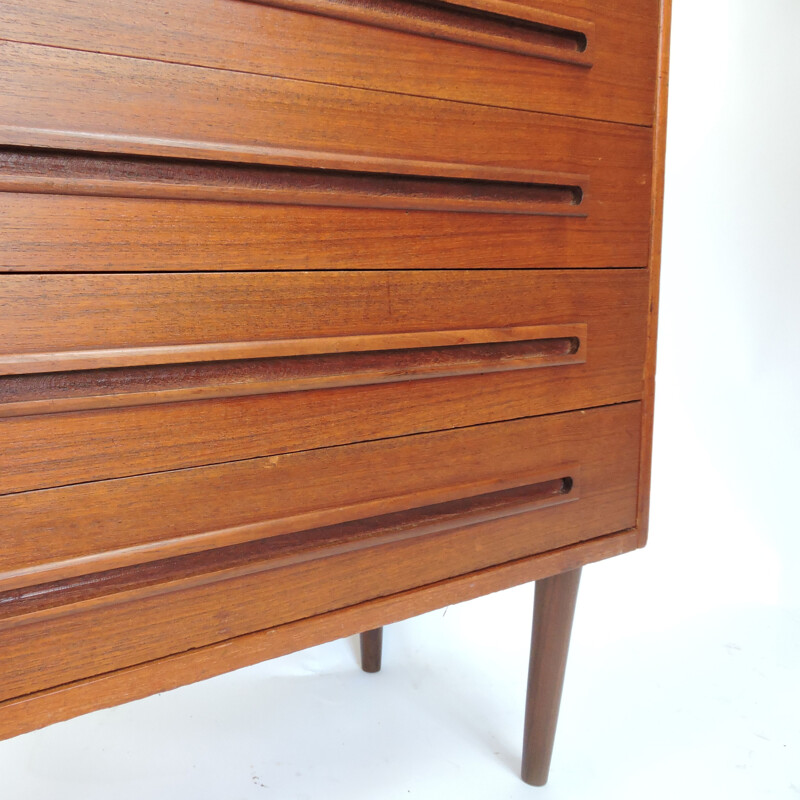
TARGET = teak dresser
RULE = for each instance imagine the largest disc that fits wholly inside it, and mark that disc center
(316, 315)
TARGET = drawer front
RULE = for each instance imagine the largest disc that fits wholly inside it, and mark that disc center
(407, 182)
(590, 58)
(125, 374)
(130, 105)
(63, 232)
(421, 509)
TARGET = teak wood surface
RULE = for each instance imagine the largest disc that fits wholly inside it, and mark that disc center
(316, 315)
(77, 529)
(272, 39)
(46, 646)
(62, 448)
(553, 611)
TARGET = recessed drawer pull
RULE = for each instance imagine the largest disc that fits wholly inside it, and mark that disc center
(524, 348)
(46, 600)
(438, 186)
(26, 363)
(493, 24)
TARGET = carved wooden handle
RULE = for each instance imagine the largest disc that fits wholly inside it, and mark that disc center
(494, 24)
(111, 577)
(74, 381)
(399, 184)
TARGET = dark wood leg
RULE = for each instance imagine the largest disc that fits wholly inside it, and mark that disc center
(553, 610)
(371, 647)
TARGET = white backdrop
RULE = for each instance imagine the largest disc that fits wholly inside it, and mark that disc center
(729, 358)
(683, 679)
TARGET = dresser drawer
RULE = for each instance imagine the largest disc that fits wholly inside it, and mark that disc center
(124, 374)
(590, 58)
(128, 105)
(413, 511)
(62, 231)
(347, 178)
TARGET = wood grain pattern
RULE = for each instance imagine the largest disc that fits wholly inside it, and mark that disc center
(122, 387)
(479, 503)
(58, 449)
(494, 24)
(491, 190)
(383, 134)
(243, 36)
(48, 706)
(112, 636)
(59, 533)
(659, 155)
(276, 121)
(559, 344)
(553, 612)
(157, 318)
(69, 233)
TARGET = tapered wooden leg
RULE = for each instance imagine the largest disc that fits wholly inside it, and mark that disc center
(553, 611)
(371, 647)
